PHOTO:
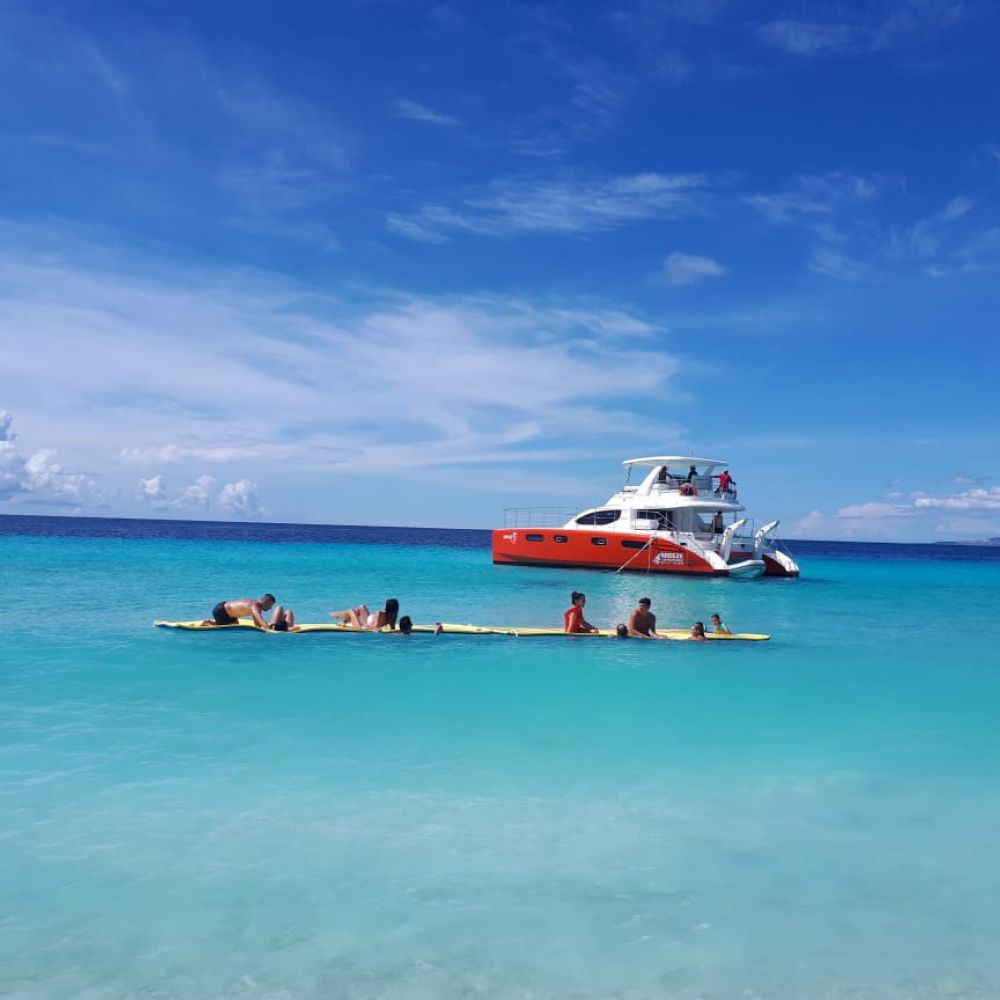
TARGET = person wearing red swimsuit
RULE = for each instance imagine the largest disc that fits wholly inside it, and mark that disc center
(573, 620)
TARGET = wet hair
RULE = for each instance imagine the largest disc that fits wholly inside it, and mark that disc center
(575, 596)
(699, 627)
(391, 612)
(267, 597)
(405, 625)
(717, 615)
(621, 631)
(645, 600)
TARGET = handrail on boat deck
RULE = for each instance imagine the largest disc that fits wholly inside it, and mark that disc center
(537, 517)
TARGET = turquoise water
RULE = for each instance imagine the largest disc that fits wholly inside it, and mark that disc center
(238, 815)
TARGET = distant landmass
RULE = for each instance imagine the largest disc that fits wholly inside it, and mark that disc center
(995, 540)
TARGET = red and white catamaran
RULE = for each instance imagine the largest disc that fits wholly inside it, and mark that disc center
(682, 518)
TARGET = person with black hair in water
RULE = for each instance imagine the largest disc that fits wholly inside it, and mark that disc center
(369, 621)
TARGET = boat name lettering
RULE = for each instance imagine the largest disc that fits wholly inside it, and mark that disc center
(671, 558)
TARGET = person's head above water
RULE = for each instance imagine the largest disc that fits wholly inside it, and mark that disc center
(405, 625)
(698, 629)
(716, 620)
(621, 632)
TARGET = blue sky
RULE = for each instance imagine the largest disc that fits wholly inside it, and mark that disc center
(404, 263)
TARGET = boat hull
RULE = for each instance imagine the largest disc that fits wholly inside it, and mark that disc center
(598, 550)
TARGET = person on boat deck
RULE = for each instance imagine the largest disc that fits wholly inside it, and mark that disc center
(229, 612)
(698, 632)
(283, 619)
(642, 621)
(718, 526)
(663, 476)
(361, 618)
(573, 620)
(718, 627)
(692, 472)
(725, 481)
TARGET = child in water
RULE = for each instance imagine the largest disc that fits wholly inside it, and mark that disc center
(718, 627)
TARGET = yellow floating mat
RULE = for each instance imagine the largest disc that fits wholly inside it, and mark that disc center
(678, 634)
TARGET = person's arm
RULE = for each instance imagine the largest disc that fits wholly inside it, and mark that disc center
(257, 615)
(656, 635)
(586, 626)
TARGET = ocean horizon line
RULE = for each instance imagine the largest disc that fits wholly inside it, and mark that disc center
(239, 527)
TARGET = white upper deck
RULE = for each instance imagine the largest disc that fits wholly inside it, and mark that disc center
(705, 464)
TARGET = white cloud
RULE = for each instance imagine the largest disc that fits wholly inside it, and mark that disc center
(901, 23)
(874, 510)
(808, 38)
(151, 491)
(686, 269)
(509, 206)
(198, 495)
(38, 478)
(240, 499)
(812, 195)
(317, 386)
(421, 113)
(834, 264)
(982, 499)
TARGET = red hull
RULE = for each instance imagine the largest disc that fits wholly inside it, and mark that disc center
(595, 550)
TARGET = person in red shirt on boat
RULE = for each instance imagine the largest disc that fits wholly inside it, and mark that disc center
(725, 482)
(573, 620)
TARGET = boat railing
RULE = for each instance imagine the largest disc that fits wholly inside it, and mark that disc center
(705, 486)
(537, 517)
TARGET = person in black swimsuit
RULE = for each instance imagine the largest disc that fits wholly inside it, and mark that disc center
(229, 612)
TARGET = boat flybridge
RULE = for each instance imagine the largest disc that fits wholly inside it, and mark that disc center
(683, 517)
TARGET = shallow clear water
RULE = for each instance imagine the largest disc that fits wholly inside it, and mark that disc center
(239, 815)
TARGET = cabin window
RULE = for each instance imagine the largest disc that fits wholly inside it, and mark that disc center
(535, 538)
(631, 543)
(598, 541)
(560, 538)
(664, 518)
(600, 517)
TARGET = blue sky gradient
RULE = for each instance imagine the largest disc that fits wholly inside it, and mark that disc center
(404, 263)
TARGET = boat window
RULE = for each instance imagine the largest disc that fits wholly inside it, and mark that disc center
(599, 517)
(535, 538)
(560, 538)
(663, 517)
(598, 541)
(631, 543)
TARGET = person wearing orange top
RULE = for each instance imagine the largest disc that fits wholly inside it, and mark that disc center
(573, 620)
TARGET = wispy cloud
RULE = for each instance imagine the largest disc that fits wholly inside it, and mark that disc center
(687, 269)
(832, 31)
(266, 375)
(413, 111)
(845, 218)
(509, 206)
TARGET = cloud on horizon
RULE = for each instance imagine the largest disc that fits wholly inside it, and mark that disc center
(459, 380)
